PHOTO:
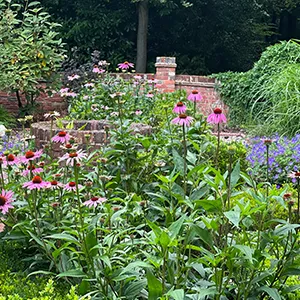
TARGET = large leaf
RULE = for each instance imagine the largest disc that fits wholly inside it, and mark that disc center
(154, 286)
(176, 226)
(272, 292)
(73, 273)
(134, 265)
(235, 174)
(203, 234)
(246, 250)
(64, 236)
(134, 289)
(177, 294)
(234, 216)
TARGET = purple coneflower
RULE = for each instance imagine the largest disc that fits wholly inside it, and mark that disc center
(125, 65)
(30, 155)
(64, 91)
(61, 137)
(53, 114)
(72, 157)
(71, 94)
(150, 95)
(98, 70)
(36, 183)
(138, 112)
(6, 198)
(33, 169)
(89, 84)
(195, 96)
(71, 186)
(11, 160)
(216, 117)
(94, 201)
(183, 119)
(179, 108)
(73, 77)
(55, 185)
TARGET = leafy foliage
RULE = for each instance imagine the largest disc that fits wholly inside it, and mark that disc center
(266, 95)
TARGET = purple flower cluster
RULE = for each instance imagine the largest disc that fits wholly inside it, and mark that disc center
(11, 144)
(284, 157)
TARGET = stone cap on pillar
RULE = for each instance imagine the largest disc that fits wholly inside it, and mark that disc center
(165, 62)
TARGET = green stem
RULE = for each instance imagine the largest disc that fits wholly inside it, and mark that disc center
(195, 110)
(218, 148)
(267, 146)
(184, 159)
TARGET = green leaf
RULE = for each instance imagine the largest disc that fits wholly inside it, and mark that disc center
(73, 273)
(235, 175)
(134, 265)
(38, 241)
(272, 292)
(91, 242)
(40, 272)
(283, 230)
(64, 236)
(203, 234)
(233, 216)
(210, 205)
(198, 194)
(134, 289)
(176, 226)
(177, 294)
(164, 239)
(154, 286)
(245, 250)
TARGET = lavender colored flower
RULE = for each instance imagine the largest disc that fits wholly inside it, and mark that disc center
(6, 198)
(183, 119)
(36, 183)
(73, 157)
(94, 201)
(179, 108)
(195, 96)
(125, 65)
(71, 186)
(216, 117)
(62, 137)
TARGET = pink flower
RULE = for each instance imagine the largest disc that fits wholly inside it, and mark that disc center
(73, 77)
(195, 96)
(71, 186)
(36, 183)
(30, 155)
(62, 137)
(294, 175)
(216, 117)
(138, 112)
(89, 84)
(33, 169)
(183, 119)
(11, 160)
(73, 157)
(71, 94)
(98, 70)
(125, 65)
(152, 81)
(137, 77)
(6, 198)
(150, 95)
(55, 185)
(64, 91)
(179, 108)
(94, 201)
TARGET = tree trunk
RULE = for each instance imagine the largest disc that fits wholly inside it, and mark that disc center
(142, 33)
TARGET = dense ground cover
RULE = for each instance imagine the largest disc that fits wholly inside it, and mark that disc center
(170, 215)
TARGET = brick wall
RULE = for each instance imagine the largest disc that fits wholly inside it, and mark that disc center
(167, 81)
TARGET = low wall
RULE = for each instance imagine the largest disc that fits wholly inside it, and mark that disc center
(167, 81)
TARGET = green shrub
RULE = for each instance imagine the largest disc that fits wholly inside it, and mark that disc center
(267, 94)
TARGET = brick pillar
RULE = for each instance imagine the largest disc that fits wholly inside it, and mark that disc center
(165, 74)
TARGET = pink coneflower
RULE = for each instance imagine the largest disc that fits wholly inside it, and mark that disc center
(150, 95)
(179, 108)
(73, 77)
(64, 91)
(117, 94)
(94, 107)
(152, 81)
(294, 175)
(89, 84)
(183, 119)
(53, 115)
(55, 185)
(137, 77)
(30, 155)
(138, 112)
(11, 160)
(71, 186)
(216, 117)
(71, 94)
(195, 96)
(94, 201)
(125, 65)
(76, 156)
(98, 70)
(69, 147)
(114, 114)
(62, 137)
(6, 198)
(33, 169)
(36, 183)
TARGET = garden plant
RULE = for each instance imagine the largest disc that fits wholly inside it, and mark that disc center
(173, 214)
